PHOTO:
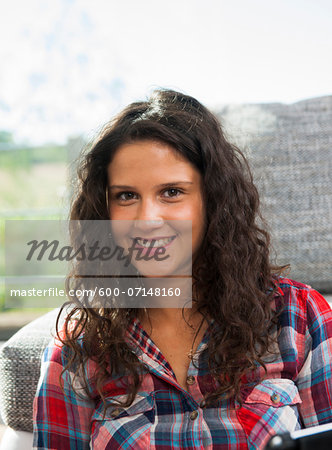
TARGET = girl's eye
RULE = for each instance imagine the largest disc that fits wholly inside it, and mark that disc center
(125, 196)
(173, 192)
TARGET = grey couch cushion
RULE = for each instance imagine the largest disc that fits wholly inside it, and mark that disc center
(290, 151)
(20, 359)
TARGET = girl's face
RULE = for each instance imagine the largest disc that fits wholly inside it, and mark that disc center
(160, 194)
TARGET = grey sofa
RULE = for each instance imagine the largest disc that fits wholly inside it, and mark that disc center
(290, 150)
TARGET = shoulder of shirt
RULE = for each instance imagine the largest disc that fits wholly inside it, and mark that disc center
(59, 353)
(300, 295)
(56, 349)
(284, 284)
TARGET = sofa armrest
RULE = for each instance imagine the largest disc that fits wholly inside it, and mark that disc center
(20, 361)
(16, 440)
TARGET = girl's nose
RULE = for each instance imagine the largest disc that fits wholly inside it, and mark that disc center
(149, 216)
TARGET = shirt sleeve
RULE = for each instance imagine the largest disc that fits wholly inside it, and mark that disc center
(314, 379)
(61, 417)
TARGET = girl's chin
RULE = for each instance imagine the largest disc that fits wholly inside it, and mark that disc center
(184, 272)
(155, 271)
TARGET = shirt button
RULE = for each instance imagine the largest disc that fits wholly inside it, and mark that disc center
(202, 404)
(193, 415)
(275, 398)
(190, 380)
(115, 412)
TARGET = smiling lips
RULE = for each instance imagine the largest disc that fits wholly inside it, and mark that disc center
(157, 242)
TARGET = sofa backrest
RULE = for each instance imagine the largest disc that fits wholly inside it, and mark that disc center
(289, 148)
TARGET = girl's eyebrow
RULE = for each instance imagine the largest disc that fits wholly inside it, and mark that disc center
(172, 183)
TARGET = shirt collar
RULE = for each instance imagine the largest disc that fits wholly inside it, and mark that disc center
(144, 346)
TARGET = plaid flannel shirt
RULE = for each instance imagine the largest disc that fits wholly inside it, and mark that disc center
(295, 393)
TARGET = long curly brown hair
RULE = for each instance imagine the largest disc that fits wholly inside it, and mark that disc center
(232, 275)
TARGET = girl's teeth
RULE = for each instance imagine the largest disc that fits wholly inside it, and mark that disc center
(158, 243)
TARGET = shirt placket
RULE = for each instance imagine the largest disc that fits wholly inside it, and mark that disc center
(194, 422)
(158, 365)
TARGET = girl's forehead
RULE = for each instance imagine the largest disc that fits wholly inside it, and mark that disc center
(147, 154)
